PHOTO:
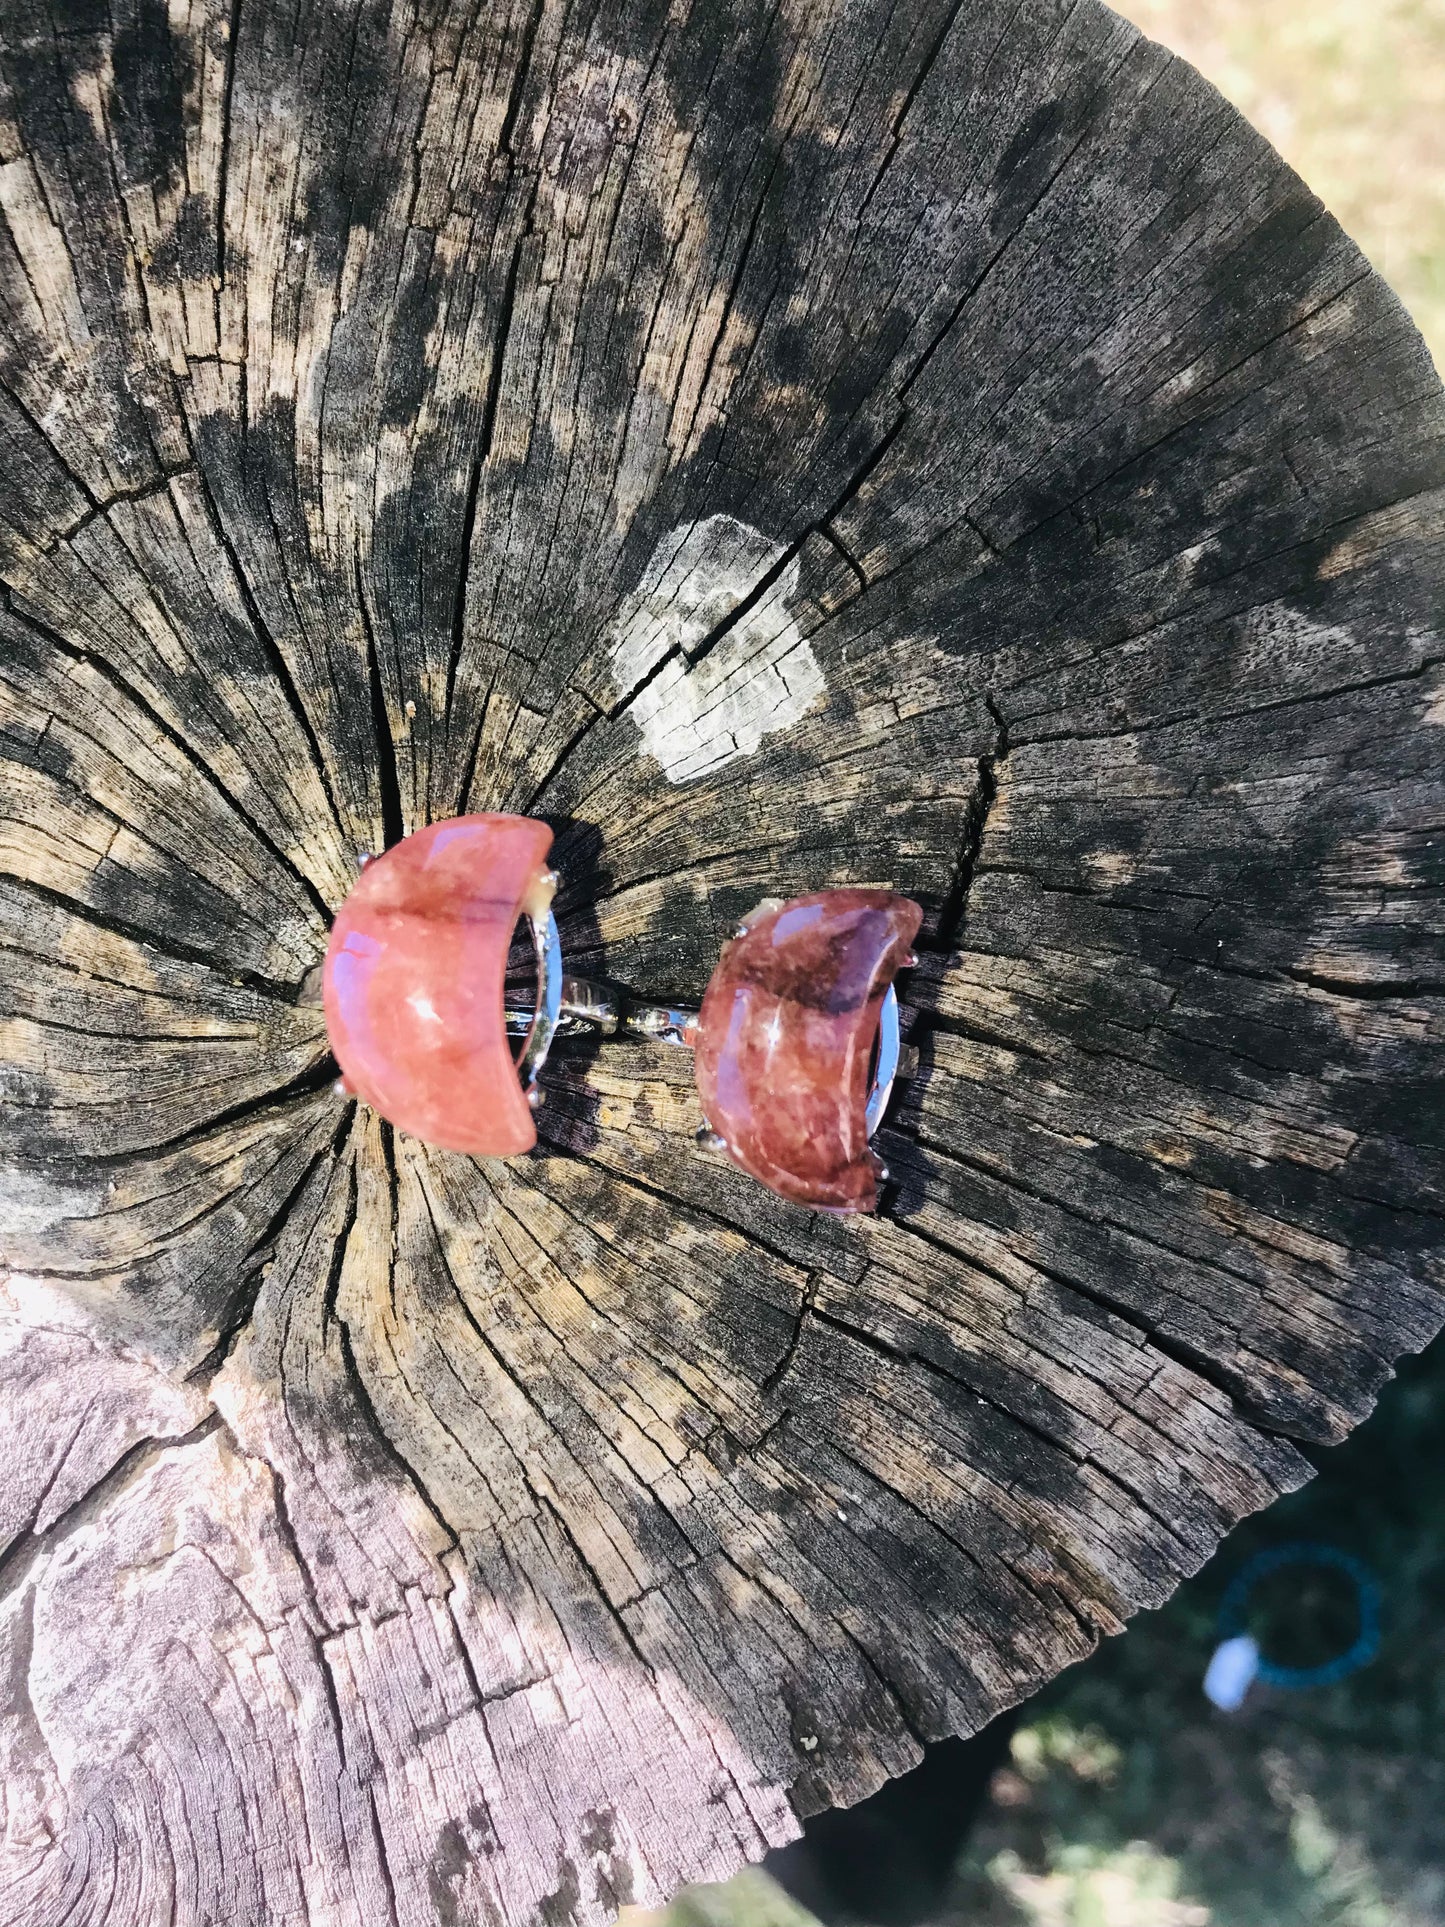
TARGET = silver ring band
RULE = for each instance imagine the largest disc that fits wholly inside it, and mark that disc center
(544, 1021)
(571, 1004)
(886, 1068)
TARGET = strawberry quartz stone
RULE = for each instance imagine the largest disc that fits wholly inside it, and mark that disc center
(413, 983)
(785, 1042)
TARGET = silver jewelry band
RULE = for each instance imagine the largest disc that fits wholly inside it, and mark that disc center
(567, 1006)
(885, 1067)
(578, 1005)
(542, 1024)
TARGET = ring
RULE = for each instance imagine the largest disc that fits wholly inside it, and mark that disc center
(798, 1043)
(413, 984)
(796, 1046)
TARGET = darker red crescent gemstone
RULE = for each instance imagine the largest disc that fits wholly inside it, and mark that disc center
(414, 982)
(785, 1042)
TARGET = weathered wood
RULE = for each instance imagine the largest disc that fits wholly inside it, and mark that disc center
(939, 447)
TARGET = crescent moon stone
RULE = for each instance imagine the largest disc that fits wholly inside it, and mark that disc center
(414, 982)
(785, 1037)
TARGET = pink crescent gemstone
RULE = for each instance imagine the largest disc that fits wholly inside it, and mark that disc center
(413, 982)
(785, 1041)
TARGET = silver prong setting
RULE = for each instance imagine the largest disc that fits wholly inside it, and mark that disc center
(889, 1045)
(760, 909)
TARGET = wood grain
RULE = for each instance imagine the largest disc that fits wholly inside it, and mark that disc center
(934, 447)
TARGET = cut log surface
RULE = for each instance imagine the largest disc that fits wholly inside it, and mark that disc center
(933, 446)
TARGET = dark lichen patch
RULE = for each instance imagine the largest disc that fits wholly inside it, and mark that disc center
(559, 1908)
(353, 171)
(187, 251)
(153, 75)
(446, 1871)
(612, 1872)
(422, 288)
(79, 18)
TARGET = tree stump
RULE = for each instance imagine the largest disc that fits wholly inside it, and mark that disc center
(939, 447)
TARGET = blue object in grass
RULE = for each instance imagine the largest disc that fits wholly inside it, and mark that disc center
(1231, 1672)
(1232, 1613)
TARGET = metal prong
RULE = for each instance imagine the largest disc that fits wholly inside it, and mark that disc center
(363, 857)
(909, 961)
(759, 909)
(341, 1087)
(709, 1140)
(534, 1096)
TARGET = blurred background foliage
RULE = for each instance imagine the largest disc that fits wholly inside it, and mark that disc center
(1352, 93)
(1323, 1808)
(1127, 1801)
